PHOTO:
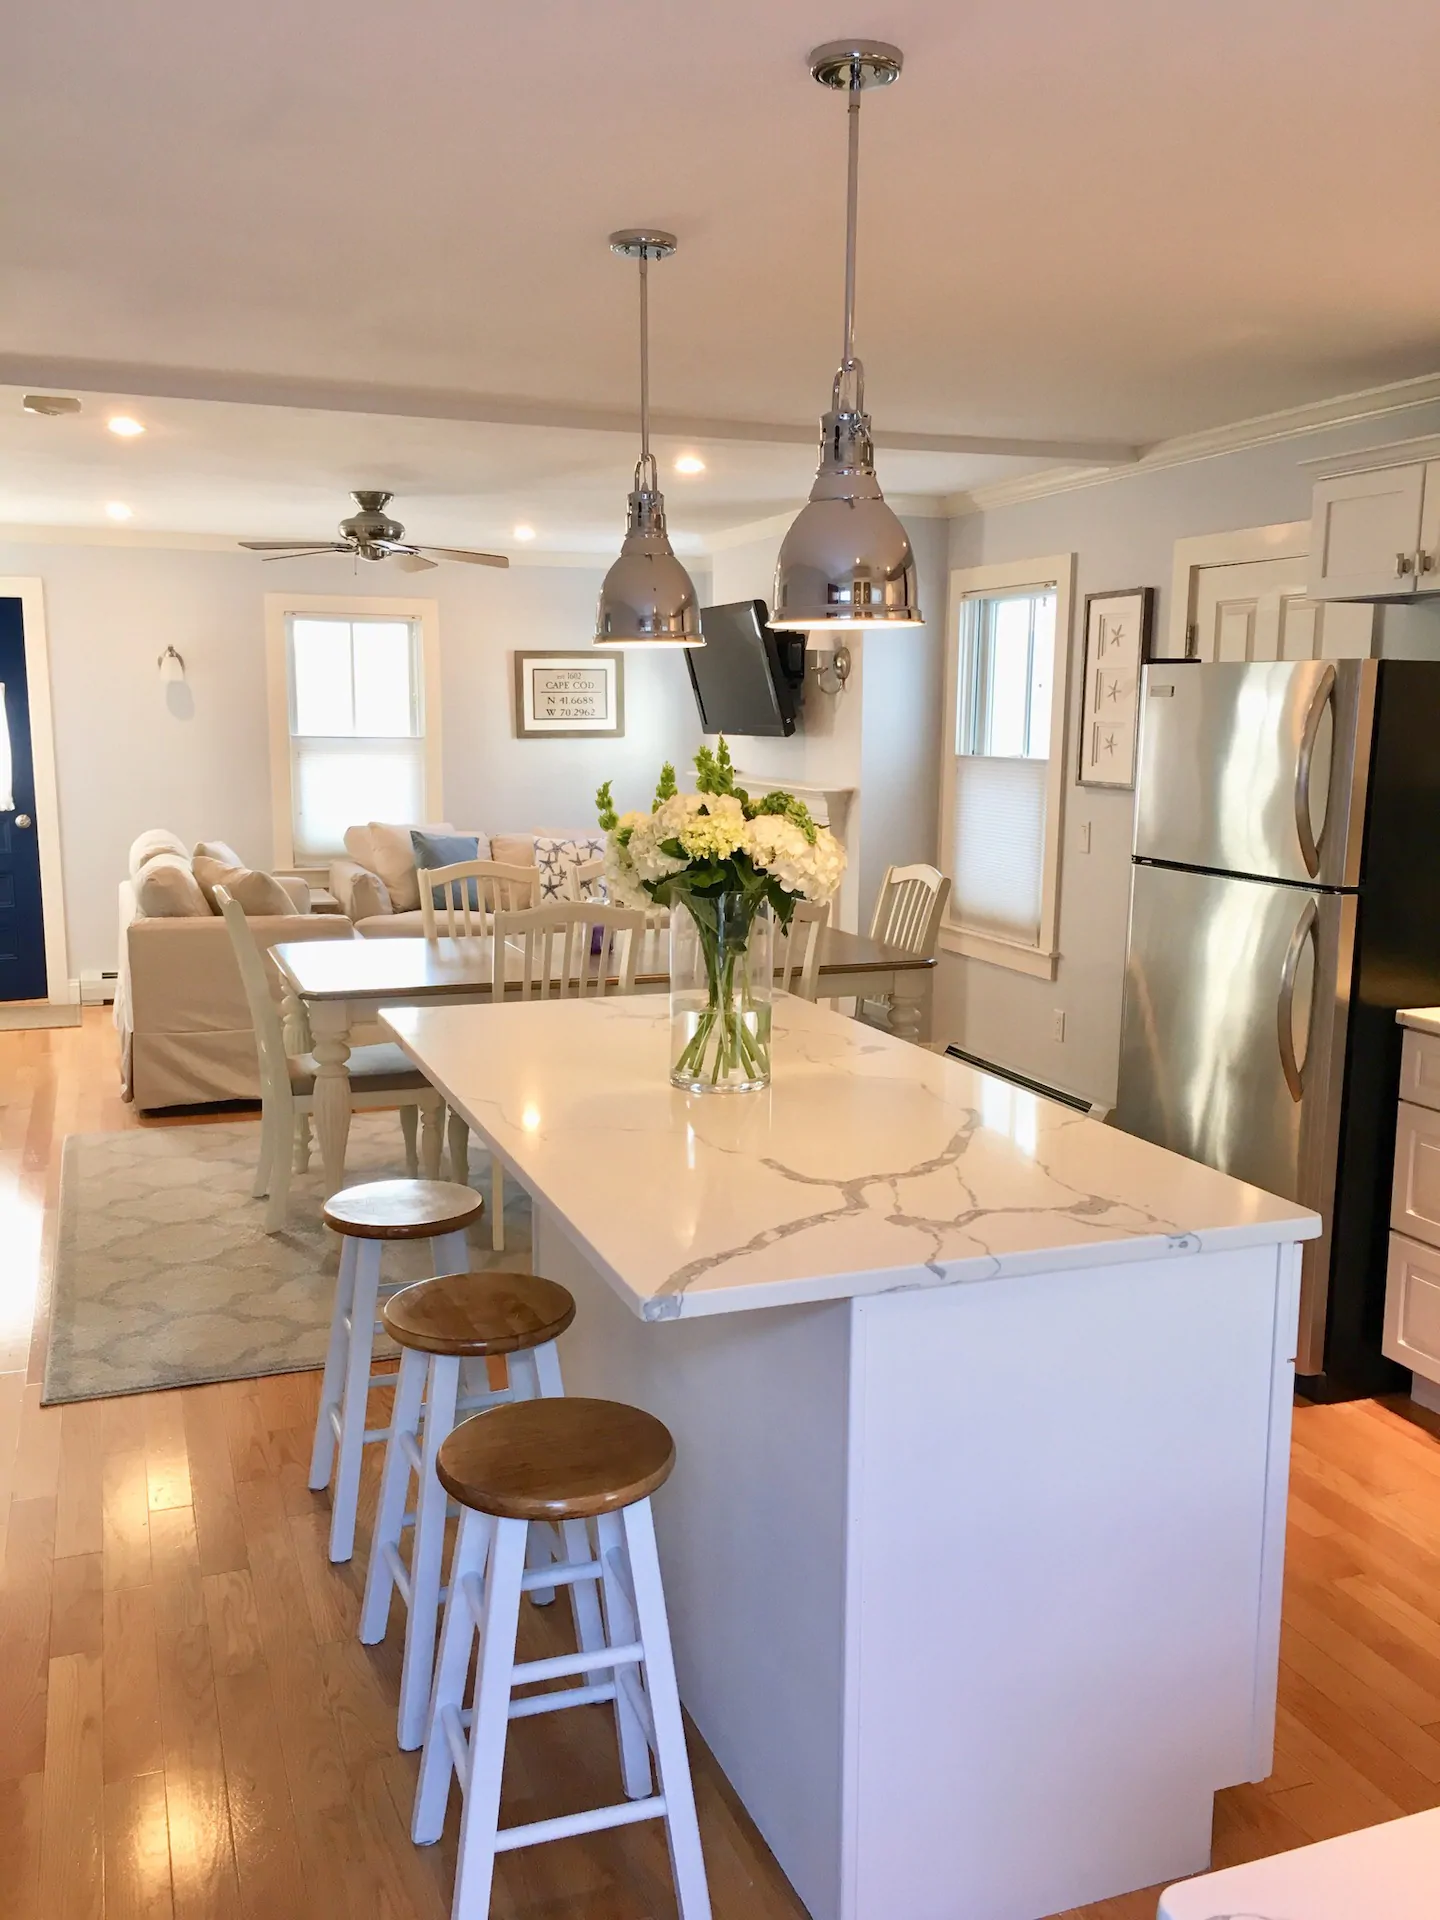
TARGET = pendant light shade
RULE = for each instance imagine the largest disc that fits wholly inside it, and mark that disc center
(846, 562)
(648, 599)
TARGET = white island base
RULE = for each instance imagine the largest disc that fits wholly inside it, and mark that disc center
(975, 1589)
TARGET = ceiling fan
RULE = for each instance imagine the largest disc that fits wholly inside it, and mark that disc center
(371, 534)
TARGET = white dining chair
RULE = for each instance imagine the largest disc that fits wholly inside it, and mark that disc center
(797, 957)
(572, 949)
(583, 883)
(471, 891)
(380, 1076)
(908, 911)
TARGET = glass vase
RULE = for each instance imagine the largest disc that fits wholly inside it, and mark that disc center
(722, 972)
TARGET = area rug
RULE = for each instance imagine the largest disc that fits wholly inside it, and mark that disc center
(166, 1277)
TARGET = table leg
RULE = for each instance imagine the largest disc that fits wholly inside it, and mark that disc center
(909, 1008)
(330, 1025)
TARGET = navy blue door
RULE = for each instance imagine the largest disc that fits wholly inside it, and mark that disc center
(22, 926)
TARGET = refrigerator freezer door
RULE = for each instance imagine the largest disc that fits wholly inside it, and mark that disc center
(1257, 767)
(1232, 1042)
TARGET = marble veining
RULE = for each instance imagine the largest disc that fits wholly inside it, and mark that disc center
(869, 1165)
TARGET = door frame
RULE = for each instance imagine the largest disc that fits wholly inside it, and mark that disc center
(29, 590)
(1286, 540)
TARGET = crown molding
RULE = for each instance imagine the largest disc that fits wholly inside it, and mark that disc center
(16, 533)
(1290, 423)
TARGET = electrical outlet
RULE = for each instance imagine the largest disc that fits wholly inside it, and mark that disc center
(1084, 836)
(1057, 1024)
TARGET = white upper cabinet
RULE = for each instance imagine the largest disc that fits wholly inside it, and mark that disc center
(1376, 535)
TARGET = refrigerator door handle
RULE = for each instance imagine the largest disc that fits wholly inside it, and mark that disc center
(1309, 848)
(1305, 929)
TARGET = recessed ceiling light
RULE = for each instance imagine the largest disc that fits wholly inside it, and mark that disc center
(689, 463)
(524, 532)
(124, 425)
(117, 510)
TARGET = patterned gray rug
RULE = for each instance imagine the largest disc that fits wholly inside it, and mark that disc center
(165, 1276)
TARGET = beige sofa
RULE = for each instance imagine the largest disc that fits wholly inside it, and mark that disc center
(180, 1010)
(379, 893)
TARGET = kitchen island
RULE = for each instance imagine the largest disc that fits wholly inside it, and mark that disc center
(973, 1550)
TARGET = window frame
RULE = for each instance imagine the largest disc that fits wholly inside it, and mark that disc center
(1055, 571)
(279, 609)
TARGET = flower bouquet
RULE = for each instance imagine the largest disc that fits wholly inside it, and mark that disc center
(728, 868)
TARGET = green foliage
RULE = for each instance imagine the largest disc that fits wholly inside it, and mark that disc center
(789, 808)
(605, 808)
(666, 789)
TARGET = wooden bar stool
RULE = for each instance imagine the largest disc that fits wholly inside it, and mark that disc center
(366, 1217)
(440, 1326)
(565, 1461)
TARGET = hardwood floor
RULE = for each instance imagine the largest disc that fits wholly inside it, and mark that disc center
(190, 1731)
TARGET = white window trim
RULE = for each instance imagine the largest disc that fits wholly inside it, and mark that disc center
(345, 606)
(1057, 568)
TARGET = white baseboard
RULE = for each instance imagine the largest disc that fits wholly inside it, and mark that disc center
(1425, 1393)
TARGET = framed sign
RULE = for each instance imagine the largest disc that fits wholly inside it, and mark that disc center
(1118, 631)
(576, 695)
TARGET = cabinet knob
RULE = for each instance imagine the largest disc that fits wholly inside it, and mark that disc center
(1404, 565)
(1424, 562)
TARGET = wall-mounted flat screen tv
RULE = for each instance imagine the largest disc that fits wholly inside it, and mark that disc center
(747, 679)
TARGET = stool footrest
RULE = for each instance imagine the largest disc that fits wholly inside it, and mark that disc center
(536, 1832)
(562, 1697)
(565, 1665)
(565, 1573)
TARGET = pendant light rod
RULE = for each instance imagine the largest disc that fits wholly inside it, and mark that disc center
(644, 360)
(852, 221)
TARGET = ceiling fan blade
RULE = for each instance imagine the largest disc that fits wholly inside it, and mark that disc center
(295, 546)
(470, 559)
(412, 562)
(300, 553)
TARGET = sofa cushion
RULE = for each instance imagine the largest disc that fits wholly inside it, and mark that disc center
(392, 926)
(558, 856)
(513, 849)
(166, 889)
(220, 850)
(254, 893)
(393, 858)
(368, 895)
(357, 845)
(155, 840)
(445, 850)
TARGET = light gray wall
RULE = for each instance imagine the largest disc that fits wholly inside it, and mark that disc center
(1123, 533)
(132, 754)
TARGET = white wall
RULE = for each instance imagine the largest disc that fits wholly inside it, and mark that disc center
(133, 754)
(878, 735)
(1123, 532)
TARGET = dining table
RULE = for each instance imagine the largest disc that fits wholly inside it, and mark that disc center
(341, 985)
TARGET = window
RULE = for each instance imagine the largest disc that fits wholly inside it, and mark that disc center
(349, 691)
(1004, 774)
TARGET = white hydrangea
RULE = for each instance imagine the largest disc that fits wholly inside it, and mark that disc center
(778, 846)
(713, 827)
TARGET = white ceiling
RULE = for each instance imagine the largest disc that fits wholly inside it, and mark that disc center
(1118, 221)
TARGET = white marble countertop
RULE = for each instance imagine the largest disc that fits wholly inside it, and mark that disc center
(1423, 1019)
(870, 1163)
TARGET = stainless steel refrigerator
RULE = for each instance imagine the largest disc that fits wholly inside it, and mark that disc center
(1285, 900)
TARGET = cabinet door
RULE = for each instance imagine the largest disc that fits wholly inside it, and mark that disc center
(1365, 534)
(1415, 1195)
(1420, 1068)
(1412, 1307)
(1427, 558)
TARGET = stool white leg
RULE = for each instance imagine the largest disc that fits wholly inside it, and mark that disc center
(497, 1205)
(548, 1383)
(390, 1509)
(672, 1761)
(621, 1631)
(427, 1552)
(357, 1388)
(409, 1131)
(450, 1253)
(475, 1859)
(322, 1454)
(437, 1762)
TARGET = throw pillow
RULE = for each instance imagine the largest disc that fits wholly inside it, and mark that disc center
(557, 858)
(512, 849)
(369, 896)
(166, 889)
(445, 850)
(254, 893)
(393, 858)
(297, 891)
(219, 850)
(148, 844)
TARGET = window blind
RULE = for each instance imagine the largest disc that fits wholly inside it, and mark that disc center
(998, 856)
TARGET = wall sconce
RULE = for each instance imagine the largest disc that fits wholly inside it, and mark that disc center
(172, 666)
(831, 670)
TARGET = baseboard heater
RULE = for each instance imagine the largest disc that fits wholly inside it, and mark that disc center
(1073, 1100)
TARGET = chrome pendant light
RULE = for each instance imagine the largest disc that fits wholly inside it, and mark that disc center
(648, 599)
(846, 562)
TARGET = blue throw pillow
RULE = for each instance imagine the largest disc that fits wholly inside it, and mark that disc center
(445, 850)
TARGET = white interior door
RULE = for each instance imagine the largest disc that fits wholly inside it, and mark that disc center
(1262, 610)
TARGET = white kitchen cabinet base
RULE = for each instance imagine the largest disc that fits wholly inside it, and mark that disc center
(975, 1589)
(1425, 1393)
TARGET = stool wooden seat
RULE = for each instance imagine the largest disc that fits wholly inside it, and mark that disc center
(559, 1460)
(403, 1209)
(447, 1329)
(365, 1217)
(582, 1463)
(475, 1315)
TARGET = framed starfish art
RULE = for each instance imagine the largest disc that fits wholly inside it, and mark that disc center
(1118, 631)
